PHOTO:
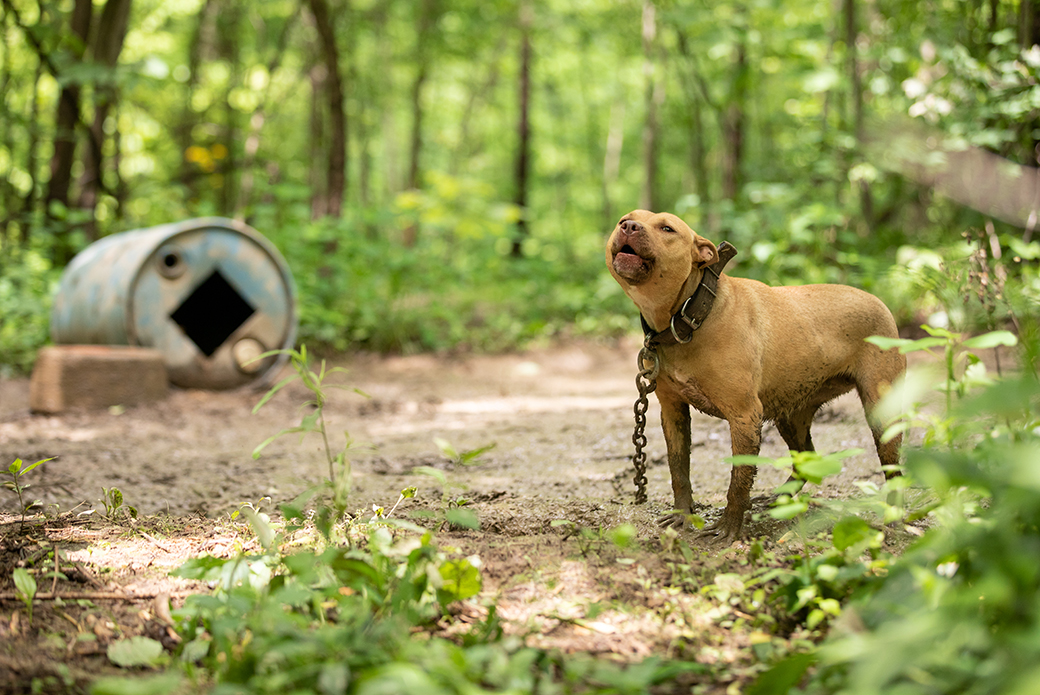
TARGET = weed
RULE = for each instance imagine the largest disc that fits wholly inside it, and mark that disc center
(338, 483)
(25, 588)
(115, 510)
(17, 471)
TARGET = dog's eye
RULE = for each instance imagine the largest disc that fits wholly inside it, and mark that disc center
(668, 229)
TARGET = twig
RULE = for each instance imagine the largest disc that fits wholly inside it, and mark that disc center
(95, 595)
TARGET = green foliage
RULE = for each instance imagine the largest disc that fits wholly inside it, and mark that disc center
(954, 612)
(27, 282)
(112, 500)
(18, 470)
(25, 589)
(338, 483)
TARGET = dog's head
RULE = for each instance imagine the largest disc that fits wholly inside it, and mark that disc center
(653, 255)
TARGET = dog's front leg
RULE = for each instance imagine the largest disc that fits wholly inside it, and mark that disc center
(675, 421)
(746, 437)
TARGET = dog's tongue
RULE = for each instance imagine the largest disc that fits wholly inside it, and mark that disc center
(628, 264)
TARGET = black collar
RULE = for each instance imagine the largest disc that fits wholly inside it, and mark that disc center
(695, 309)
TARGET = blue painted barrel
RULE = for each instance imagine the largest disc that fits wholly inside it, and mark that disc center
(210, 294)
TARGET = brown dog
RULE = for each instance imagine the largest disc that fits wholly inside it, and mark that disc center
(745, 352)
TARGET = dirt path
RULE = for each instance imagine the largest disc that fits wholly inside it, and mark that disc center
(560, 420)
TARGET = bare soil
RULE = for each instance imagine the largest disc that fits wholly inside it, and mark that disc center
(561, 422)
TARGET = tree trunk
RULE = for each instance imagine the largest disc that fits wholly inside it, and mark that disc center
(523, 129)
(337, 163)
(108, 44)
(65, 129)
(318, 180)
(733, 124)
(653, 96)
(856, 86)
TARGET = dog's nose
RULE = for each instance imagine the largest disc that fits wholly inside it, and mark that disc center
(631, 227)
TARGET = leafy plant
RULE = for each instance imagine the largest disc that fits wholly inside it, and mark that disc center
(339, 482)
(953, 613)
(17, 470)
(25, 588)
(461, 458)
(112, 500)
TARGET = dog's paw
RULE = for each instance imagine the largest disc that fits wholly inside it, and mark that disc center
(724, 531)
(676, 520)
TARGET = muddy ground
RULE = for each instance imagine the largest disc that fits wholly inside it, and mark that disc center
(560, 420)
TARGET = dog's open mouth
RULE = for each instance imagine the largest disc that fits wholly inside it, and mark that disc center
(630, 265)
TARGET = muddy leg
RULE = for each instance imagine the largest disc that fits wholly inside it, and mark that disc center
(675, 421)
(746, 436)
(870, 386)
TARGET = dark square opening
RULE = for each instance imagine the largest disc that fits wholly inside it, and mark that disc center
(211, 313)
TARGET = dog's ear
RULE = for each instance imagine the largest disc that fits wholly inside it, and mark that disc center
(704, 252)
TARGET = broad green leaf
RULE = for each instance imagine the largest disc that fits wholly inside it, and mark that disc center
(162, 684)
(461, 581)
(991, 340)
(779, 679)
(135, 651)
(463, 517)
(24, 583)
(850, 531)
(434, 473)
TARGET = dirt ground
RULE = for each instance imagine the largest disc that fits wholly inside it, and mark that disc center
(560, 420)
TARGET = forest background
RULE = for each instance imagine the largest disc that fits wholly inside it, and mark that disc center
(442, 173)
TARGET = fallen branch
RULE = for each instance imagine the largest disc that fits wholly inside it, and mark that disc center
(95, 595)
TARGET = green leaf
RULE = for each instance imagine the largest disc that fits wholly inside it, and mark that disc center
(34, 465)
(136, 651)
(162, 684)
(461, 581)
(446, 448)
(15, 467)
(463, 517)
(991, 340)
(434, 473)
(785, 675)
(468, 458)
(789, 510)
(816, 468)
(623, 535)
(24, 583)
(274, 389)
(850, 531)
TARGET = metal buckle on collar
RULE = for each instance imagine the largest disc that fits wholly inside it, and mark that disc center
(693, 324)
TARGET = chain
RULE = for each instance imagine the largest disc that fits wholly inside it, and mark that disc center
(649, 364)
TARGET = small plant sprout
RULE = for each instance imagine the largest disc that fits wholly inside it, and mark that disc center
(17, 471)
(339, 480)
(461, 458)
(25, 589)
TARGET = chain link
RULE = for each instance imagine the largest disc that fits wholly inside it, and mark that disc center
(649, 364)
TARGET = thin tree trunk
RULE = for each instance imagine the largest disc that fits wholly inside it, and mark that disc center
(523, 129)
(852, 62)
(337, 163)
(65, 128)
(733, 124)
(318, 181)
(648, 199)
(108, 44)
(7, 123)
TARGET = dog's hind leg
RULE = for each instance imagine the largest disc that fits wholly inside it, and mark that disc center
(870, 386)
(795, 429)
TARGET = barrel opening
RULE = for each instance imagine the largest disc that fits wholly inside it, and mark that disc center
(212, 312)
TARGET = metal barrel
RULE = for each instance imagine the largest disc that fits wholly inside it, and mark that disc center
(211, 294)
